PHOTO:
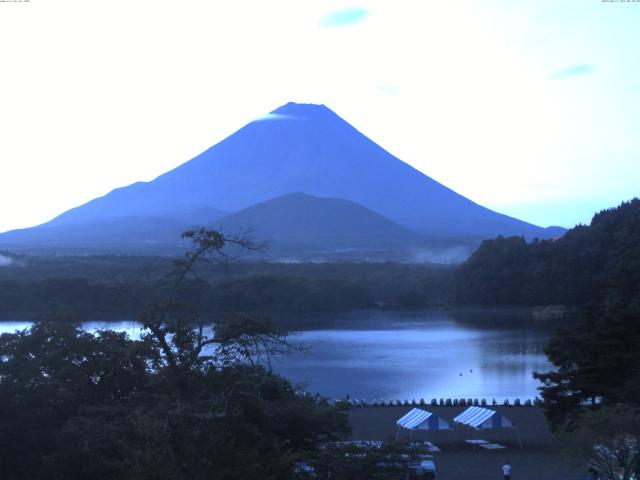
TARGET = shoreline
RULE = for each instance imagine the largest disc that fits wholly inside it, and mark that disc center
(515, 316)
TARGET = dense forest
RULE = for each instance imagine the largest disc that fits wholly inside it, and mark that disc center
(81, 299)
(586, 265)
(115, 287)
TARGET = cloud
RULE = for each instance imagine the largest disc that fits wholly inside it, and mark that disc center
(346, 16)
(275, 116)
(572, 71)
(5, 261)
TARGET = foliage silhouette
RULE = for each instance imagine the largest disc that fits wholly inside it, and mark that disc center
(180, 403)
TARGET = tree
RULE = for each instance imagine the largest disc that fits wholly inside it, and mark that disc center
(254, 340)
(48, 375)
(606, 439)
(183, 402)
(596, 362)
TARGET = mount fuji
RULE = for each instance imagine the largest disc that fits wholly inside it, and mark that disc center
(297, 148)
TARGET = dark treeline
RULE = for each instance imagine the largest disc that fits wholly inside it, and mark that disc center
(82, 299)
(111, 287)
(586, 265)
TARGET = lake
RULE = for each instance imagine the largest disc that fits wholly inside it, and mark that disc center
(400, 355)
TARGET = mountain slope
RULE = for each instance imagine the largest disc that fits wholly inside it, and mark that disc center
(299, 221)
(126, 234)
(310, 149)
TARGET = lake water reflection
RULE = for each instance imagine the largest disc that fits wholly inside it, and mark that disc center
(395, 355)
(418, 355)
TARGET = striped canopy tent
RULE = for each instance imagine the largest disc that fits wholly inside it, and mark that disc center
(480, 418)
(483, 418)
(418, 419)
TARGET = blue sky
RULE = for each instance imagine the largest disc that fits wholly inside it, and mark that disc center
(344, 16)
(530, 108)
(572, 71)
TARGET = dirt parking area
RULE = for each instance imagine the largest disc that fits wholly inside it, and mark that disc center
(537, 460)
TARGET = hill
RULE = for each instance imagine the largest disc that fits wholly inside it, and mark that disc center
(299, 222)
(589, 264)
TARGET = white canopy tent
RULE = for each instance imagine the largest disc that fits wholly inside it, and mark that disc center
(480, 418)
(418, 419)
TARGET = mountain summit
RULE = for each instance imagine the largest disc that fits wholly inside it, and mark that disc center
(302, 148)
(305, 110)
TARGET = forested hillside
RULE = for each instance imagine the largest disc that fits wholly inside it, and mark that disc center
(588, 264)
(596, 358)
